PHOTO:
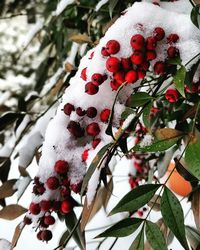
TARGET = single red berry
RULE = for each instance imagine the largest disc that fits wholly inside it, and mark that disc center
(34, 208)
(104, 52)
(114, 85)
(141, 74)
(144, 66)
(61, 167)
(91, 88)
(76, 187)
(83, 74)
(172, 95)
(95, 142)
(131, 76)
(91, 112)
(112, 46)
(75, 129)
(97, 79)
(39, 235)
(46, 235)
(137, 42)
(27, 220)
(172, 38)
(68, 108)
(159, 68)
(126, 63)
(151, 43)
(66, 206)
(41, 189)
(85, 155)
(119, 77)
(93, 129)
(159, 33)
(45, 205)
(80, 111)
(150, 55)
(91, 55)
(137, 57)
(56, 206)
(52, 183)
(172, 52)
(49, 220)
(104, 115)
(113, 64)
(140, 213)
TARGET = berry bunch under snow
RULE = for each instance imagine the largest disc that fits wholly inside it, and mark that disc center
(137, 46)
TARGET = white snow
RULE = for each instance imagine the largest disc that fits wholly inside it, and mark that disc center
(4, 244)
(61, 6)
(147, 140)
(100, 4)
(128, 121)
(21, 185)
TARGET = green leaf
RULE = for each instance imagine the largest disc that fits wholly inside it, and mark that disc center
(96, 161)
(123, 228)
(157, 145)
(173, 216)
(136, 198)
(179, 80)
(126, 113)
(138, 99)
(112, 5)
(155, 237)
(175, 61)
(146, 115)
(192, 158)
(193, 236)
(194, 15)
(138, 243)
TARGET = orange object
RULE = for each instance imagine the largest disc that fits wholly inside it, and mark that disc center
(177, 183)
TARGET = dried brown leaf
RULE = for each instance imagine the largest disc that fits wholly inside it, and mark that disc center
(11, 212)
(6, 190)
(167, 133)
(18, 230)
(80, 38)
(107, 192)
(69, 67)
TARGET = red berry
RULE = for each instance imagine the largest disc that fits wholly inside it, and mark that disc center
(113, 64)
(65, 182)
(52, 183)
(159, 33)
(36, 180)
(80, 111)
(112, 46)
(45, 205)
(172, 38)
(137, 57)
(144, 66)
(104, 116)
(131, 76)
(114, 85)
(40, 189)
(172, 52)
(85, 155)
(95, 142)
(68, 108)
(75, 129)
(76, 188)
(46, 235)
(27, 221)
(150, 55)
(34, 208)
(61, 167)
(119, 77)
(97, 79)
(151, 43)
(93, 129)
(39, 235)
(172, 95)
(83, 74)
(126, 63)
(160, 68)
(66, 206)
(141, 74)
(91, 112)
(56, 206)
(104, 52)
(91, 88)
(49, 220)
(137, 42)
(140, 213)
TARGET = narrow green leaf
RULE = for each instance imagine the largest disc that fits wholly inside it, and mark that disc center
(155, 237)
(126, 113)
(138, 243)
(96, 161)
(136, 198)
(146, 115)
(179, 80)
(173, 216)
(112, 4)
(192, 158)
(193, 236)
(122, 228)
(175, 61)
(157, 145)
(194, 15)
(138, 99)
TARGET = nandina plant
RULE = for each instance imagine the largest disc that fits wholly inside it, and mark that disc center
(135, 96)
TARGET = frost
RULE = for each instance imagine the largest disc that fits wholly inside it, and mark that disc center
(100, 4)
(62, 6)
(147, 140)
(5, 244)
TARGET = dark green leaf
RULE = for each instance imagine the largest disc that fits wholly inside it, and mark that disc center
(112, 4)
(123, 228)
(175, 61)
(179, 80)
(8, 119)
(126, 113)
(173, 216)
(95, 163)
(193, 236)
(155, 237)
(136, 198)
(195, 15)
(138, 99)
(146, 115)
(64, 237)
(192, 158)
(138, 243)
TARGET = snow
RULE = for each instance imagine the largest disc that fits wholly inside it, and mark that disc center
(21, 185)
(147, 140)
(62, 6)
(4, 244)
(100, 4)
(128, 121)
